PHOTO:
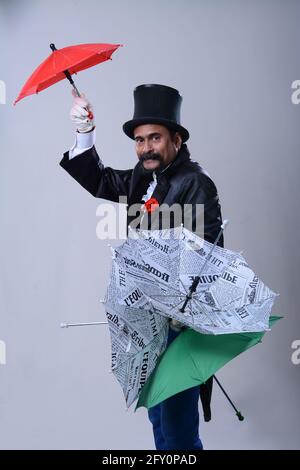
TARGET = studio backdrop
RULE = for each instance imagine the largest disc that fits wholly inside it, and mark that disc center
(236, 64)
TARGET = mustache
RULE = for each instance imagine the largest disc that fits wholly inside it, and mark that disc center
(150, 156)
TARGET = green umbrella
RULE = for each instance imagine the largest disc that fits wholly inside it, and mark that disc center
(191, 359)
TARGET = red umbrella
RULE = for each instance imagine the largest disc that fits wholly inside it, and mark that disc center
(62, 63)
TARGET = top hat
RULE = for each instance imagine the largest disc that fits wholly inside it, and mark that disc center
(156, 104)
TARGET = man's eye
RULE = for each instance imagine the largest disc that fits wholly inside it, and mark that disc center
(156, 137)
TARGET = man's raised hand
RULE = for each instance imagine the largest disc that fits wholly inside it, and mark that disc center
(81, 113)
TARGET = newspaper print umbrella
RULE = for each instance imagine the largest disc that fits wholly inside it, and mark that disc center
(229, 296)
(138, 333)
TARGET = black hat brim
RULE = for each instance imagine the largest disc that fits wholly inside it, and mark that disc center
(129, 126)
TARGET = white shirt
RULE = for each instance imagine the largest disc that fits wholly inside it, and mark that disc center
(151, 188)
(83, 142)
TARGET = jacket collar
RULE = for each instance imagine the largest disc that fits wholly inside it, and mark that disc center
(182, 156)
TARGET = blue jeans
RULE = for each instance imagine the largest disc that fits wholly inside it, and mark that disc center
(175, 421)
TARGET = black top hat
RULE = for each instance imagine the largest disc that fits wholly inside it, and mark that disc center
(156, 104)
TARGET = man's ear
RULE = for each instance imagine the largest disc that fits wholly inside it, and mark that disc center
(178, 141)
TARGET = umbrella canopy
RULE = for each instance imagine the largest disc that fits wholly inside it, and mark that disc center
(151, 277)
(138, 333)
(191, 359)
(63, 63)
(229, 297)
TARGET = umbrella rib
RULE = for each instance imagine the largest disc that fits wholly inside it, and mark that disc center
(202, 312)
(186, 290)
(160, 302)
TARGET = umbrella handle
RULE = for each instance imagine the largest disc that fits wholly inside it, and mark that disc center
(237, 412)
(69, 77)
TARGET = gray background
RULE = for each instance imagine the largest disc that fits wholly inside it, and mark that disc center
(234, 62)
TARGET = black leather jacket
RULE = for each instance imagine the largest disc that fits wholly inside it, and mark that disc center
(183, 182)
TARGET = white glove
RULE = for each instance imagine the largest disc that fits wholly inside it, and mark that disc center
(81, 113)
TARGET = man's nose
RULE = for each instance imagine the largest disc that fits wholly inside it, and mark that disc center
(147, 146)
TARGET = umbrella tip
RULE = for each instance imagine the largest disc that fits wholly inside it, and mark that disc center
(64, 325)
(52, 46)
(225, 222)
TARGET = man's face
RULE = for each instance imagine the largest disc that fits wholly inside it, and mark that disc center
(154, 145)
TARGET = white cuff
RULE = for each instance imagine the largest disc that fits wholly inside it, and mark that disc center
(83, 141)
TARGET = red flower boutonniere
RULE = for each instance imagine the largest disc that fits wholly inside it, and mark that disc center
(151, 205)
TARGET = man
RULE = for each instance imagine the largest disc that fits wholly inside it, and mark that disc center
(166, 173)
